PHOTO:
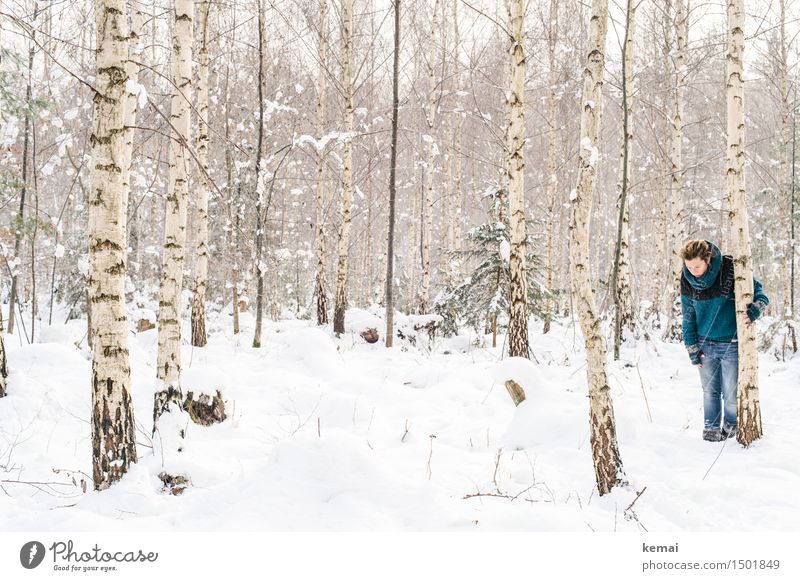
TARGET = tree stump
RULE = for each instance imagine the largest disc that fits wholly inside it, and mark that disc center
(205, 410)
(370, 335)
(174, 484)
(515, 391)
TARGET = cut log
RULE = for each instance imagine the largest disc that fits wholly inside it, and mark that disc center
(515, 391)
(205, 410)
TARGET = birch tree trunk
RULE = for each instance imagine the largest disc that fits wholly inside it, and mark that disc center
(260, 265)
(26, 140)
(515, 166)
(785, 177)
(552, 178)
(605, 452)
(168, 366)
(131, 104)
(3, 365)
(321, 291)
(340, 303)
(458, 196)
(674, 331)
(427, 198)
(749, 411)
(389, 292)
(199, 338)
(413, 251)
(621, 278)
(233, 200)
(113, 428)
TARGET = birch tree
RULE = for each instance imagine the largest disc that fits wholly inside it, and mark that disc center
(199, 338)
(515, 167)
(389, 292)
(340, 303)
(621, 276)
(168, 365)
(427, 198)
(552, 177)
(605, 452)
(260, 265)
(321, 290)
(13, 300)
(3, 364)
(673, 331)
(113, 428)
(749, 426)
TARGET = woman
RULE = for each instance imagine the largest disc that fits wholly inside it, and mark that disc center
(709, 331)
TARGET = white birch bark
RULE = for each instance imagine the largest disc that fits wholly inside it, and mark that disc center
(132, 88)
(674, 331)
(749, 426)
(3, 362)
(458, 195)
(515, 167)
(113, 428)
(260, 171)
(321, 285)
(551, 176)
(427, 201)
(199, 338)
(340, 302)
(623, 316)
(785, 179)
(168, 366)
(605, 452)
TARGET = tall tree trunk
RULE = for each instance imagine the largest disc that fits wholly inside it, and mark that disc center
(260, 265)
(113, 427)
(427, 199)
(340, 303)
(168, 366)
(792, 211)
(3, 364)
(321, 291)
(234, 191)
(413, 250)
(749, 411)
(674, 331)
(393, 180)
(199, 338)
(621, 277)
(131, 104)
(19, 226)
(605, 452)
(785, 177)
(515, 166)
(552, 177)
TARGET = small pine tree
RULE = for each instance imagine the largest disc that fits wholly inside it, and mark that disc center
(482, 297)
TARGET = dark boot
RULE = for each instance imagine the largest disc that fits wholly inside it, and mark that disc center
(712, 435)
(728, 431)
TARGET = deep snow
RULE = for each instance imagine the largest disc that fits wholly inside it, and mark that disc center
(329, 433)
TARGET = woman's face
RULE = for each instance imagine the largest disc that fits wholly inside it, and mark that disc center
(697, 266)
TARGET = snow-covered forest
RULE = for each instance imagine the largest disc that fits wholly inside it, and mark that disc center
(391, 264)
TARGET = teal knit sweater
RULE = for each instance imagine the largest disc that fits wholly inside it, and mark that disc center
(708, 304)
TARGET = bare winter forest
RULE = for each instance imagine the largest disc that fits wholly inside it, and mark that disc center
(498, 166)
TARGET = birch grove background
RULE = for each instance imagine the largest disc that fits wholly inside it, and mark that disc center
(532, 187)
(450, 158)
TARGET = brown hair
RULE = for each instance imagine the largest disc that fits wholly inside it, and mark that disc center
(696, 249)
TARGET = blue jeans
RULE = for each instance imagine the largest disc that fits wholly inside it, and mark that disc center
(719, 376)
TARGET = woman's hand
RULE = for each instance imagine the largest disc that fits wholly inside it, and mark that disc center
(695, 354)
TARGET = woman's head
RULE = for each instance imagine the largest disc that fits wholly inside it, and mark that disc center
(696, 256)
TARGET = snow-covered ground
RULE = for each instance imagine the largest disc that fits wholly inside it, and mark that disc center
(329, 433)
